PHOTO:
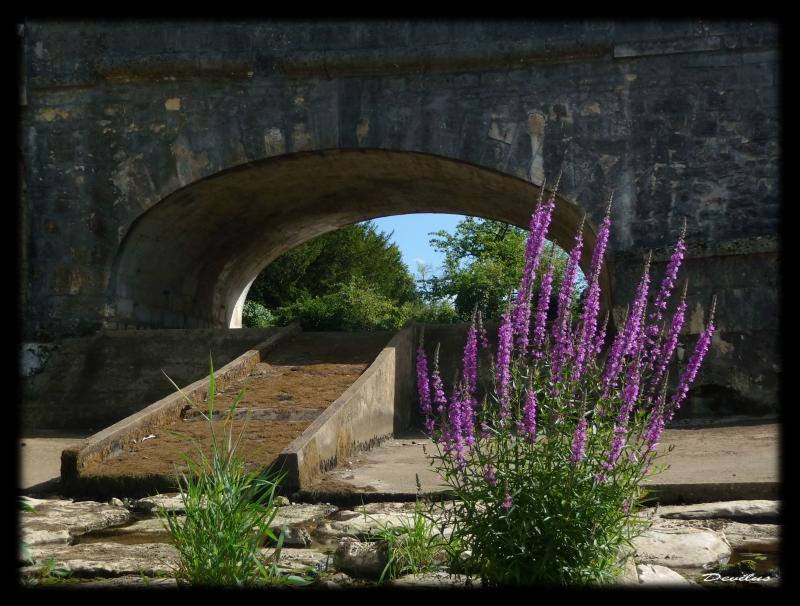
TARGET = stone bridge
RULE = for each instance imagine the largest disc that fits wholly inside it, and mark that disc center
(162, 166)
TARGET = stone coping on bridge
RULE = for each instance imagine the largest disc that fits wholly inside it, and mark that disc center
(99, 446)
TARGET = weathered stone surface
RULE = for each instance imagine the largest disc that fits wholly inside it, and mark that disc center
(111, 559)
(58, 521)
(301, 514)
(655, 577)
(294, 536)
(172, 504)
(765, 535)
(739, 510)
(365, 560)
(684, 134)
(681, 547)
(127, 582)
(300, 558)
(433, 580)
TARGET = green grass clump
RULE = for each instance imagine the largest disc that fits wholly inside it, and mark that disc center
(228, 514)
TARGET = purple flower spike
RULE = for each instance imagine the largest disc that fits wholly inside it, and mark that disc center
(591, 308)
(504, 364)
(542, 307)
(694, 363)
(563, 342)
(540, 223)
(527, 427)
(664, 293)
(579, 441)
(490, 476)
(665, 355)
(507, 503)
(471, 359)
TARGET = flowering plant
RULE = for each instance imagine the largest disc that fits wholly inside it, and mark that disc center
(547, 470)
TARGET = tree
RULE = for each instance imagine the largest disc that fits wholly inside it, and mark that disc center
(483, 264)
(320, 266)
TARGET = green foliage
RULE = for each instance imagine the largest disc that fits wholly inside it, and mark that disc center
(414, 547)
(563, 525)
(357, 306)
(228, 514)
(319, 266)
(255, 315)
(484, 260)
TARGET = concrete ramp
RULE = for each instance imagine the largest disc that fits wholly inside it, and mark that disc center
(313, 398)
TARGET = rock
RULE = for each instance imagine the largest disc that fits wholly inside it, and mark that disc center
(301, 558)
(106, 560)
(149, 505)
(294, 536)
(654, 577)
(301, 514)
(126, 582)
(766, 536)
(742, 511)
(629, 576)
(116, 502)
(681, 547)
(281, 501)
(327, 585)
(58, 521)
(151, 527)
(433, 580)
(366, 560)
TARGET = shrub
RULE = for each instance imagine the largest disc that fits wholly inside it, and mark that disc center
(547, 470)
(255, 315)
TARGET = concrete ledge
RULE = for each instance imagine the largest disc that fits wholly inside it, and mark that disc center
(96, 448)
(361, 418)
(690, 494)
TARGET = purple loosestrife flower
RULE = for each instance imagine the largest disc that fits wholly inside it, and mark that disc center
(614, 361)
(563, 342)
(505, 344)
(656, 422)
(507, 503)
(482, 332)
(664, 293)
(633, 331)
(543, 305)
(455, 431)
(625, 506)
(490, 476)
(694, 363)
(588, 322)
(540, 223)
(599, 339)
(616, 448)
(579, 441)
(471, 359)
(423, 382)
(527, 426)
(671, 342)
(439, 399)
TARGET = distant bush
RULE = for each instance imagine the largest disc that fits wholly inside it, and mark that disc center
(255, 315)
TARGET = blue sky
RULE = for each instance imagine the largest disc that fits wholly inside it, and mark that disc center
(411, 236)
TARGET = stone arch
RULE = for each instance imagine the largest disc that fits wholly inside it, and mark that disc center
(191, 258)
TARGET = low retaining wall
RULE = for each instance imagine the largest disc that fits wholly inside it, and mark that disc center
(96, 448)
(370, 411)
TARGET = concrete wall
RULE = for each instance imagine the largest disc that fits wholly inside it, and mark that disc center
(370, 411)
(93, 382)
(162, 165)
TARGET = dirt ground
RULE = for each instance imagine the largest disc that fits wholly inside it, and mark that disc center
(285, 394)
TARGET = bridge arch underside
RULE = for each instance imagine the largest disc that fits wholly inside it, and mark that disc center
(189, 260)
